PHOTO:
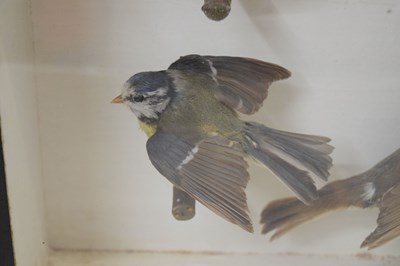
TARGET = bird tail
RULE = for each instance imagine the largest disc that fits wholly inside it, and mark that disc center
(388, 220)
(284, 214)
(379, 186)
(270, 146)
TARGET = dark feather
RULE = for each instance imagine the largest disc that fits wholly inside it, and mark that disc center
(388, 220)
(212, 171)
(297, 180)
(285, 214)
(271, 147)
(310, 151)
(379, 186)
(242, 82)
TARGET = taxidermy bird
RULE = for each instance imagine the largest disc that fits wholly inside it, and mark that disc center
(197, 141)
(377, 187)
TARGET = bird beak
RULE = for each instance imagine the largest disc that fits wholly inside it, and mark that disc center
(117, 99)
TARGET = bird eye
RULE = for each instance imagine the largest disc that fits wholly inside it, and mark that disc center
(138, 98)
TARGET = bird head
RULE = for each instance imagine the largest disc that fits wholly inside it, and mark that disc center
(147, 94)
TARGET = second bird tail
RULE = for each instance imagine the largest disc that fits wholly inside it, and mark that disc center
(284, 214)
(379, 186)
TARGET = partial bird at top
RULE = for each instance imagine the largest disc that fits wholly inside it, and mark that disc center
(197, 141)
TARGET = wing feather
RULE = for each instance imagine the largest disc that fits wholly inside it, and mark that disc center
(212, 171)
(242, 83)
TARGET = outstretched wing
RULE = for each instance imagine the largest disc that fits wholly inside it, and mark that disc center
(212, 171)
(242, 82)
(388, 220)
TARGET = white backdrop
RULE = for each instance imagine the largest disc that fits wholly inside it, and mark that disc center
(101, 191)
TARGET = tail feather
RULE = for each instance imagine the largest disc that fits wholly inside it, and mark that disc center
(312, 152)
(284, 214)
(379, 186)
(388, 220)
(297, 180)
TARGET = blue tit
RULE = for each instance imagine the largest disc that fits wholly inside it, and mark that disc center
(197, 141)
(377, 187)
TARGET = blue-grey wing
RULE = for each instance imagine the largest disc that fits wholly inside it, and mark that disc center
(213, 171)
(242, 83)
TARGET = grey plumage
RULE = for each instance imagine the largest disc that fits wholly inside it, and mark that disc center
(216, 176)
(310, 151)
(242, 83)
(388, 219)
(377, 187)
(198, 142)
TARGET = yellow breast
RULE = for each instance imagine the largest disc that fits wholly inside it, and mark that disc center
(149, 129)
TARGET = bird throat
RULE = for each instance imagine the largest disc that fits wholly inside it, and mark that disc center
(148, 128)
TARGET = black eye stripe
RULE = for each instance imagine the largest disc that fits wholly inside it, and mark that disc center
(138, 98)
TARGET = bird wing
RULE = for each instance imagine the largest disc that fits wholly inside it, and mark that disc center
(211, 170)
(388, 220)
(242, 83)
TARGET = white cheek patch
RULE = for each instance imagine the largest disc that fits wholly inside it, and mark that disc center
(140, 109)
(369, 191)
(189, 157)
(154, 104)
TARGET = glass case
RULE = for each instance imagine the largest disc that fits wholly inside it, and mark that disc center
(81, 188)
